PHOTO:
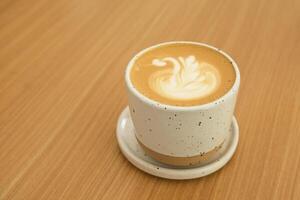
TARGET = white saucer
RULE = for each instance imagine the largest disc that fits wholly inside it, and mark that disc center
(135, 154)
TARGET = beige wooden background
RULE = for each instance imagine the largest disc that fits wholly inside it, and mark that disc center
(61, 91)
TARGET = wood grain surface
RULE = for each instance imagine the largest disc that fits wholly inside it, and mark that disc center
(62, 88)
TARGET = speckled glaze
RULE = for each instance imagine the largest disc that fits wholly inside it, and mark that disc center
(135, 154)
(181, 132)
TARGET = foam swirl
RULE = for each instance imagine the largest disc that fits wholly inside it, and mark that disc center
(186, 80)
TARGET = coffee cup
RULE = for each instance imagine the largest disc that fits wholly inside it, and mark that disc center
(191, 132)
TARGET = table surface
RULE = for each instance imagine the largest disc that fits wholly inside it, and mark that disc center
(62, 89)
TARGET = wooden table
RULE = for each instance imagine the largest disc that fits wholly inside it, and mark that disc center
(62, 88)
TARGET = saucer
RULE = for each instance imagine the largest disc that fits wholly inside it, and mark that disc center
(136, 155)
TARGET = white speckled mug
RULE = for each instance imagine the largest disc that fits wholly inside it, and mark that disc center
(181, 136)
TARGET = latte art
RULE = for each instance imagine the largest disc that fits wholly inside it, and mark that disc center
(182, 74)
(187, 79)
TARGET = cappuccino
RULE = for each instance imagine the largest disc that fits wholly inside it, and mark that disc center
(182, 74)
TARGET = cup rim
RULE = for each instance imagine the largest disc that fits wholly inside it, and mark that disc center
(160, 105)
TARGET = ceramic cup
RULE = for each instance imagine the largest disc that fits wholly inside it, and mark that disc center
(181, 136)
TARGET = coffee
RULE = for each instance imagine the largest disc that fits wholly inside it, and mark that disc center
(182, 74)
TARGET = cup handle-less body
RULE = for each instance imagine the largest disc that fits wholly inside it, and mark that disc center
(181, 135)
